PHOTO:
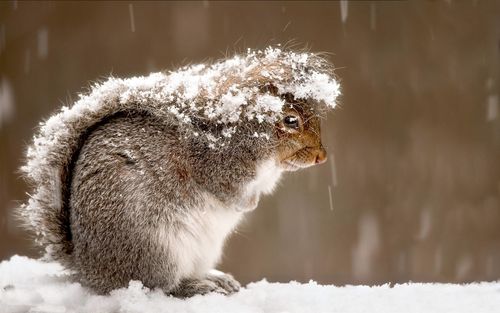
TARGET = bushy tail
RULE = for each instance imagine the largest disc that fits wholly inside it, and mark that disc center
(55, 147)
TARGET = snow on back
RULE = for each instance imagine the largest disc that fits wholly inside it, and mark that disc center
(225, 92)
(220, 92)
(28, 285)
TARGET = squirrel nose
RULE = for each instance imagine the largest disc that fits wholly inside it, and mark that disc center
(321, 156)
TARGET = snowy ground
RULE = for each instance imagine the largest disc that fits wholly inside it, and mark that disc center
(28, 285)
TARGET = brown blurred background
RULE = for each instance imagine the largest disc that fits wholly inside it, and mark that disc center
(414, 167)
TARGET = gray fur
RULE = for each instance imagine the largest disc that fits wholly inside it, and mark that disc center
(142, 176)
(124, 188)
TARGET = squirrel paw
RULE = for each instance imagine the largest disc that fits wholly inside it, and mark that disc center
(225, 281)
(224, 284)
(248, 203)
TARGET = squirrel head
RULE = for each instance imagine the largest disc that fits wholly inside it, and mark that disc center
(298, 135)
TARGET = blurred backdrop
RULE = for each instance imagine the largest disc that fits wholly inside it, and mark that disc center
(411, 190)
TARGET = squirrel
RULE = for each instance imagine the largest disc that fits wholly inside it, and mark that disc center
(144, 178)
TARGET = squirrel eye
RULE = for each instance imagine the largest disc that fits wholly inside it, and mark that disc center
(291, 121)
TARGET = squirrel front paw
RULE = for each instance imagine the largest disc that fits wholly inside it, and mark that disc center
(248, 203)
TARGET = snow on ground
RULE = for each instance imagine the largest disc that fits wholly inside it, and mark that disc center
(28, 285)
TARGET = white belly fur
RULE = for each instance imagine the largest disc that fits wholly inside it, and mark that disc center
(196, 245)
(197, 240)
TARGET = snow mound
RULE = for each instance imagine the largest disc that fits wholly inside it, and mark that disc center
(28, 285)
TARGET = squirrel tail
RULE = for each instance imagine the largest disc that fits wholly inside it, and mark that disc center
(55, 147)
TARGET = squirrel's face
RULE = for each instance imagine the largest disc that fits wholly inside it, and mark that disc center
(299, 136)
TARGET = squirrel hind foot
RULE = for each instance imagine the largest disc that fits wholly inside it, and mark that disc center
(224, 284)
(225, 281)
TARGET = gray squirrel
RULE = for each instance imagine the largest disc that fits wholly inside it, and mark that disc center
(144, 178)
